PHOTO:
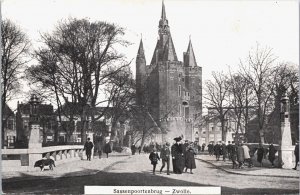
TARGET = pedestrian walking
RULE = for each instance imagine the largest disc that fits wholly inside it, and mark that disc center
(177, 156)
(184, 149)
(133, 149)
(107, 148)
(154, 158)
(247, 157)
(210, 149)
(233, 156)
(224, 151)
(88, 148)
(260, 154)
(240, 155)
(99, 148)
(203, 147)
(272, 152)
(296, 152)
(165, 157)
(229, 148)
(190, 160)
(217, 150)
(140, 149)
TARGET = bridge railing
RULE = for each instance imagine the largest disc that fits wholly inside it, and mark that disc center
(24, 159)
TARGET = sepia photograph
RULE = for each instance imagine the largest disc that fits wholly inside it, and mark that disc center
(149, 97)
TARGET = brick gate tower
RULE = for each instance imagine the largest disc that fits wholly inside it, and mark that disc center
(173, 89)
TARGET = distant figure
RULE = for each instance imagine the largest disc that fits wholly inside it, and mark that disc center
(296, 152)
(154, 158)
(203, 147)
(224, 151)
(210, 149)
(190, 159)
(217, 150)
(99, 148)
(260, 154)
(165, 157)
(133, 149)
(107, 148)
(88, 148)
(240, 155)
(229, 149)
(272, 152)
(139, 148)
(247, 157)
(233, 156)
(177, 156)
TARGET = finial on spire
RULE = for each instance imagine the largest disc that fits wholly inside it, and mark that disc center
(189, 37)
(163, 11)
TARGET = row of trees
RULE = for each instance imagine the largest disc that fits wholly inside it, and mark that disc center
(253, 90)
(78, 68)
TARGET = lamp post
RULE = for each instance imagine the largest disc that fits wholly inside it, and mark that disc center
(286, 149)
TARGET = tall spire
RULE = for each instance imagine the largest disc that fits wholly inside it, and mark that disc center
(169, 53)
(163, 11)
(189, 56)
(141, 53)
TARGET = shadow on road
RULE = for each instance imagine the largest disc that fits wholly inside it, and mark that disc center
(75, 184)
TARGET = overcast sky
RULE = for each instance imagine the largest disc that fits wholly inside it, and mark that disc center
(222, 32)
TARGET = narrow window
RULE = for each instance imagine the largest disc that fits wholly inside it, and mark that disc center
(179, 90)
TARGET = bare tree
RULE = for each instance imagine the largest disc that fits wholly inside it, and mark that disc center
(217, 94)
(241, 100)
(15, 50)
(260, 72)
(76, 62)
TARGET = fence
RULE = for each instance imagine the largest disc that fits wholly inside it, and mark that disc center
(24, 159)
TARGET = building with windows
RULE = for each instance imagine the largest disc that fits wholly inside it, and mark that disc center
(34, 111)
(171, 88)
(9, 125)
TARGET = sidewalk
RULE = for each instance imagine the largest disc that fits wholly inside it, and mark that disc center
(70, 169)
(266, 171)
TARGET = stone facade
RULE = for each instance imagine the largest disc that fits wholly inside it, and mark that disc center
(171, 88)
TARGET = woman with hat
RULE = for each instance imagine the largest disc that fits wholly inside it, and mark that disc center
(177, 156)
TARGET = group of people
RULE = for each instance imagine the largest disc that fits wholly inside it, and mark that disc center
(99, 148)
(240, 154)
(182, 155)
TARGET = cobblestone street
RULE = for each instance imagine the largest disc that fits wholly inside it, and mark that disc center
(136, 171)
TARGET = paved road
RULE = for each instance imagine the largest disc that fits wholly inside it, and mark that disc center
(136, 170)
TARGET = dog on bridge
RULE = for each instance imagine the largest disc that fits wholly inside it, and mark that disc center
(45, 162)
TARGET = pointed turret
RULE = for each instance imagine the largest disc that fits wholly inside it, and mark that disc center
(141, 61)
(163, 12)
(189, 56)
(163, 22)
(169, 53)
(141, 53)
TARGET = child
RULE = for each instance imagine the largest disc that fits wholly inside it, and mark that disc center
(154, 158)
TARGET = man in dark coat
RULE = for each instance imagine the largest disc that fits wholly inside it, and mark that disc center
(154, 158)
(240, 155)
(260, 154)
(107, 148)
(296, 152)
(272, 152)
(229, 148)
(224, 150)
(133, 149)
(88, 148)
(203, 147)
(165, 157)
(184, 149)
(217, 150)
(177, 156)
(210, 148)
(233, 156)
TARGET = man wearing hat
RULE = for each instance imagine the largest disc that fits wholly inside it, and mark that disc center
(177, 156)
(296, 152)
(165, 157)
